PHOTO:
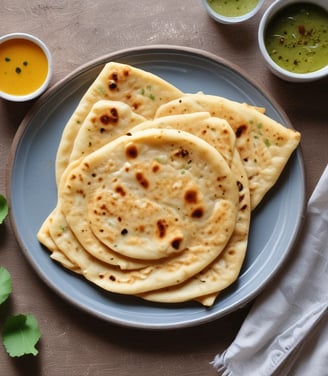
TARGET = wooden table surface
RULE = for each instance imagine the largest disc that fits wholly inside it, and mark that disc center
(77, 31)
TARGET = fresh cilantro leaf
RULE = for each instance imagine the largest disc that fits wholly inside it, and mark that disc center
(5, 284)
(20, 334)
(3, 208)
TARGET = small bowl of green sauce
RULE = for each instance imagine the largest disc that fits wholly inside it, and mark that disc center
(293, 39)
(232, 11)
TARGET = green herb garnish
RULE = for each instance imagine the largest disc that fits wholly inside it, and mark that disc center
(101, 90)
(161, 159)
(20, 333)
(267, 142)
(3, 208)
(5, 284)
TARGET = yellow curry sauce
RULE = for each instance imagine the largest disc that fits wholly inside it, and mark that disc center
(23, 67)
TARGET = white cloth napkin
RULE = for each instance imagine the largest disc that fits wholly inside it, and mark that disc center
(286, 330)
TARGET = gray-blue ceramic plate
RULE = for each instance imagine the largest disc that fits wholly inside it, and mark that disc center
(32, 190)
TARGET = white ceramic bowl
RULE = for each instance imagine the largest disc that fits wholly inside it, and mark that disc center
(274, 67)
(232, 20)
(45, 84)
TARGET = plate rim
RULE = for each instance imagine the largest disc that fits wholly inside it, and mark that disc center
(120, 54)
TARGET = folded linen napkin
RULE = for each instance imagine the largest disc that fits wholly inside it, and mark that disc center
(286, 330)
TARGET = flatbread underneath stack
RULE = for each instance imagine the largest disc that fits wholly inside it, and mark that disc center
(156, 187)
(264, 145)
(142, 91)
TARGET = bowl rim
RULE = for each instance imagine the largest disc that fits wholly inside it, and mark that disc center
(46, 51)
(232, 20)
(272, 10)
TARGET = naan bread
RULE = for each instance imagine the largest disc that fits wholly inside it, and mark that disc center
(105, 121)
(139, 193)
(264, 145)
(224, 270)
(156, 187)
(65, 239)
(142, 91)
(69, 250)
(216, 132)
(46, 239)
(200, 205)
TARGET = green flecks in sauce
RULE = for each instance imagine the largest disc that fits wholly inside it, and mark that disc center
(232, 8)
(297, 38)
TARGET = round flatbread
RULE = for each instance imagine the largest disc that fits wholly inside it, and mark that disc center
(178, 189)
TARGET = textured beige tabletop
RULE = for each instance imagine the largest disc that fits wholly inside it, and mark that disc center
(78, 31)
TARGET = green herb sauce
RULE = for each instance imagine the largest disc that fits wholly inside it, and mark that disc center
(297, 38)
(232, 8)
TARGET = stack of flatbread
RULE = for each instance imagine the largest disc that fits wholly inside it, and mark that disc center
(156, 187)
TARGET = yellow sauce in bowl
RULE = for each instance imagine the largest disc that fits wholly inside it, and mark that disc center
(23, 67)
